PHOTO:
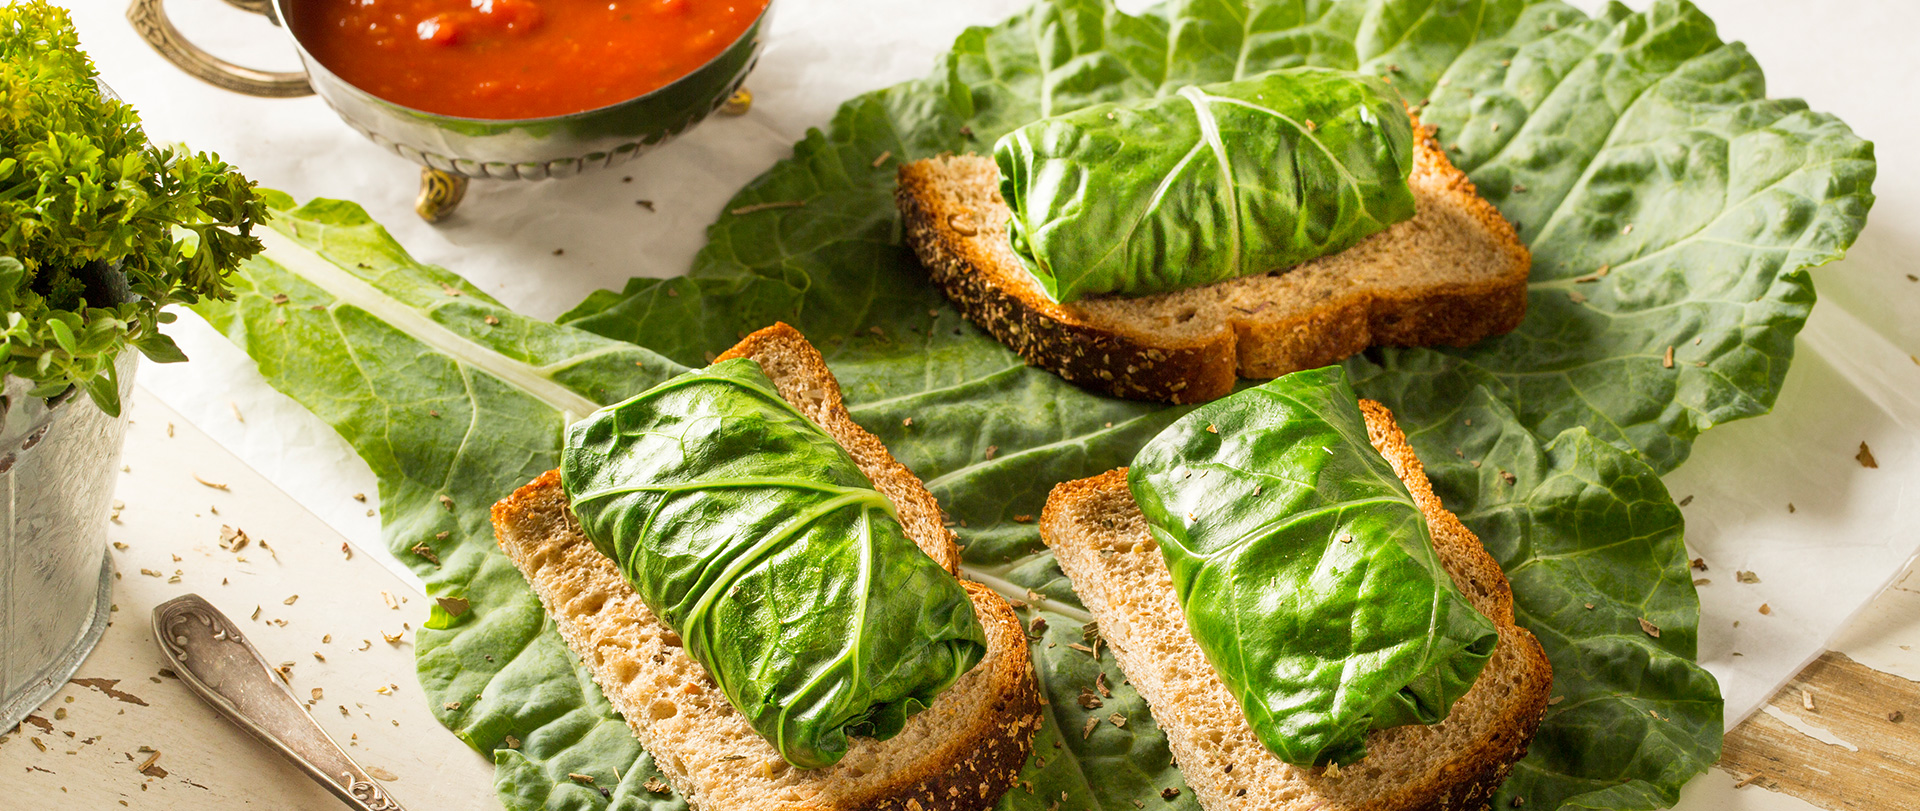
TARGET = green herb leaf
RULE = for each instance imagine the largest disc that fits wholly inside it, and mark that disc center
(89, 213)
(62, 334)
(104, 389)
(754, 535)
(1212, 183)
(161, 349)
(1305, 569)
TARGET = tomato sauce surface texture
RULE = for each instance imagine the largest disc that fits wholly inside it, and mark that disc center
(511, 59)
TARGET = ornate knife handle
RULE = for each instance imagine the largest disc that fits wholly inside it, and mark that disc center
(218, 663)
(149, 17)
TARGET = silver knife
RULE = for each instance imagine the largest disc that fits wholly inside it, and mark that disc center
(218, 663)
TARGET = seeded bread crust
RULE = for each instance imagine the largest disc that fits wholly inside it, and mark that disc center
(1454, 274)
(960, 754)
(1100, 538)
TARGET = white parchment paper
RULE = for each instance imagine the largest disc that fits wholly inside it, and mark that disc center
(1781, 496)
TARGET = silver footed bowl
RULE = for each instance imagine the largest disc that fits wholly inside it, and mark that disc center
(522, 149)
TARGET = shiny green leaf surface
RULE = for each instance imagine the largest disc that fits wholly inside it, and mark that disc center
(1305, 569)
(1211, 183)
(1097, 746)
(1584, 521)
(1592, 543)
(454, 401)
(408, 364)
(749, 531)
(1648, 109)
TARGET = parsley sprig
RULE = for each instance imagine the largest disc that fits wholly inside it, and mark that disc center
(91, 212)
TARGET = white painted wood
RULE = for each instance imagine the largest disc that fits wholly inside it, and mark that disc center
(171, 525)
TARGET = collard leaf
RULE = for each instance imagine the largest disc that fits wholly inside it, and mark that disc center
(1306, 570)
(749, 531)
(1593, 545)
(1673, 212)
(1646, 120)
(990, 436)
(1667, 202)
(454, 401)
(1625, 119)
(1212, 183)
(1098, 747)
(444, 392)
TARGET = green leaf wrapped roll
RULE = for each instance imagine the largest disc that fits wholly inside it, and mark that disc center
(1305, 569)
(1212, 183)
(748, 530)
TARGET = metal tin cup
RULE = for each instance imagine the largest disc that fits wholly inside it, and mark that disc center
(460, 148)
(58, 464)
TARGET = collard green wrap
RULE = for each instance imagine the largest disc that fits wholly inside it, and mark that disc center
(752, 533)
(1306, 570)
(1211, 183)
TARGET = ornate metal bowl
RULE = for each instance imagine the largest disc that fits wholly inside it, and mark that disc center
(460, 148)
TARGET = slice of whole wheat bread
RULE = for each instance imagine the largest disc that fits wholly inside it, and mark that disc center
(1454, 274)
(1100, 538)
(961, 753)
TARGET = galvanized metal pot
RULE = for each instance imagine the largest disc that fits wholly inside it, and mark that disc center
(59, 462)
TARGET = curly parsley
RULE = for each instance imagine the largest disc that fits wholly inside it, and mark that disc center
(91, 212)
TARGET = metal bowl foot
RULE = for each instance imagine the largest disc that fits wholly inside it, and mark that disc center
(440, 193)
(739, 103)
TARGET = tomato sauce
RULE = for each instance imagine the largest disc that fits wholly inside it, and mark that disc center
(509, 59)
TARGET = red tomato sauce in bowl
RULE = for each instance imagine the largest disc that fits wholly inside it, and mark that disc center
(516, 59)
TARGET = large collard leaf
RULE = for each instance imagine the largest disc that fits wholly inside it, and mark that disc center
(752, 534)
(445, 393)
(1673, 213)
(1160, 194)
(990, 436)
(391, 354)
(993, 436)
(1593, 545)
(1097, 746)
(1645, 120)
(1306, 570)
(1668, 203)
(454, 401)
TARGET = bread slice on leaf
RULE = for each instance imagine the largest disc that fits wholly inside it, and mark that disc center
(963, 752)
(1100, 538)
(1454, 274)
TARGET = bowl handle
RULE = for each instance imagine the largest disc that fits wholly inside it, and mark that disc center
(149, 18)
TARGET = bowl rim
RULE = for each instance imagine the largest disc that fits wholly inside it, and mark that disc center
(312, 64)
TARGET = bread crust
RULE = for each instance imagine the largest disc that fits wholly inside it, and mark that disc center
(1192, 345)
(960, 754)
(1096, 531)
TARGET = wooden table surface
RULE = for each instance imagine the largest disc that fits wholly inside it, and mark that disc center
(123, 733)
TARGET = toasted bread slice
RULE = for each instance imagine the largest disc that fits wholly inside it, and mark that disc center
(1453, 274)
(1097, 532)
(961, 753)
